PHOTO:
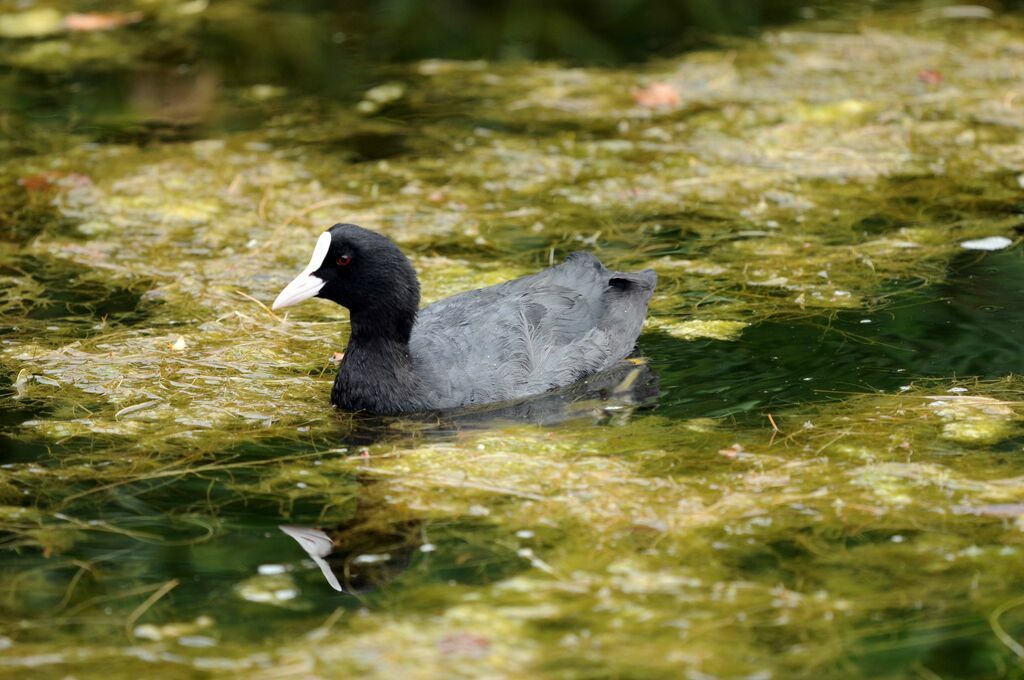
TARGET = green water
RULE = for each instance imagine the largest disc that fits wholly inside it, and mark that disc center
(817, 471)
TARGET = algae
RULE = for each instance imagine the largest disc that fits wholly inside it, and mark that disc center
(829, 485)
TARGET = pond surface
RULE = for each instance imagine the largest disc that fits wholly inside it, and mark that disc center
(817, 470)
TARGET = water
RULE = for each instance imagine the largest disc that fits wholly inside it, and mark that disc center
(816, 472)
(966, 326)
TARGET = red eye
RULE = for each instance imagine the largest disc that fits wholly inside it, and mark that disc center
(344, 260)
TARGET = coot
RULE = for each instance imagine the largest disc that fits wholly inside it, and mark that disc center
(506, 342)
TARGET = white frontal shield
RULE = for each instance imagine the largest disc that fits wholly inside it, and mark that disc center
(306, 285)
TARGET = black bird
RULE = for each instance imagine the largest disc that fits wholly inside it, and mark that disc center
(506, 342)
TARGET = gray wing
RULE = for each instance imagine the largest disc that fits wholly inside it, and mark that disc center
(530, 335)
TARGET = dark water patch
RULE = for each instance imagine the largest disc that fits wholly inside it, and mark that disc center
(26, 209)
(17, 444)
(371, 552)
(879, 223)
(15, 409)
(235, 565)
(236, 479)
(1013, 446)
(144, 134)
(168, 79)
(15, 448)
(75, 296)
(362, 556)
(776, 562)
(955, 645)
(579, 32)
(675, 233)
(368, 146)
(968, 326)
(141, 105)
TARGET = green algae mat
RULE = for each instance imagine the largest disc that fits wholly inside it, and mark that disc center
(825, 478)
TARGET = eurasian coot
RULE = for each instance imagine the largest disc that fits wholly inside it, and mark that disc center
(513, 340)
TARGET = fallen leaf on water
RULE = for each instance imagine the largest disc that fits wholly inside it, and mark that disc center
(86, 22)
(45, 181)
(737, 452)
(464, 644)
(732, 452)
(656, 95)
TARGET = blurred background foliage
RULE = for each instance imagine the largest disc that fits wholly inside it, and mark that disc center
(576, 31)
(187, 51)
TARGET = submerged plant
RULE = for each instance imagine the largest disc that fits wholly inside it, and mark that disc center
(829, 485)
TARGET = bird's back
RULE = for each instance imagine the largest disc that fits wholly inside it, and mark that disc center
(530, 335)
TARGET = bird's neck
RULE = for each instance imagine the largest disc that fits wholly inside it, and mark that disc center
(377, 373)
(371, 327)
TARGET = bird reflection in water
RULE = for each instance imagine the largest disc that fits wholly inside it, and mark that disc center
(611, 395)
(361, 557)
(374, 548)
(621, 388)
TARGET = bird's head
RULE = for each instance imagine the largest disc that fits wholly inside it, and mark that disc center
(358, 269)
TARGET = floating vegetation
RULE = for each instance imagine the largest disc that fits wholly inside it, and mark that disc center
(688, 330)
(829, 485)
